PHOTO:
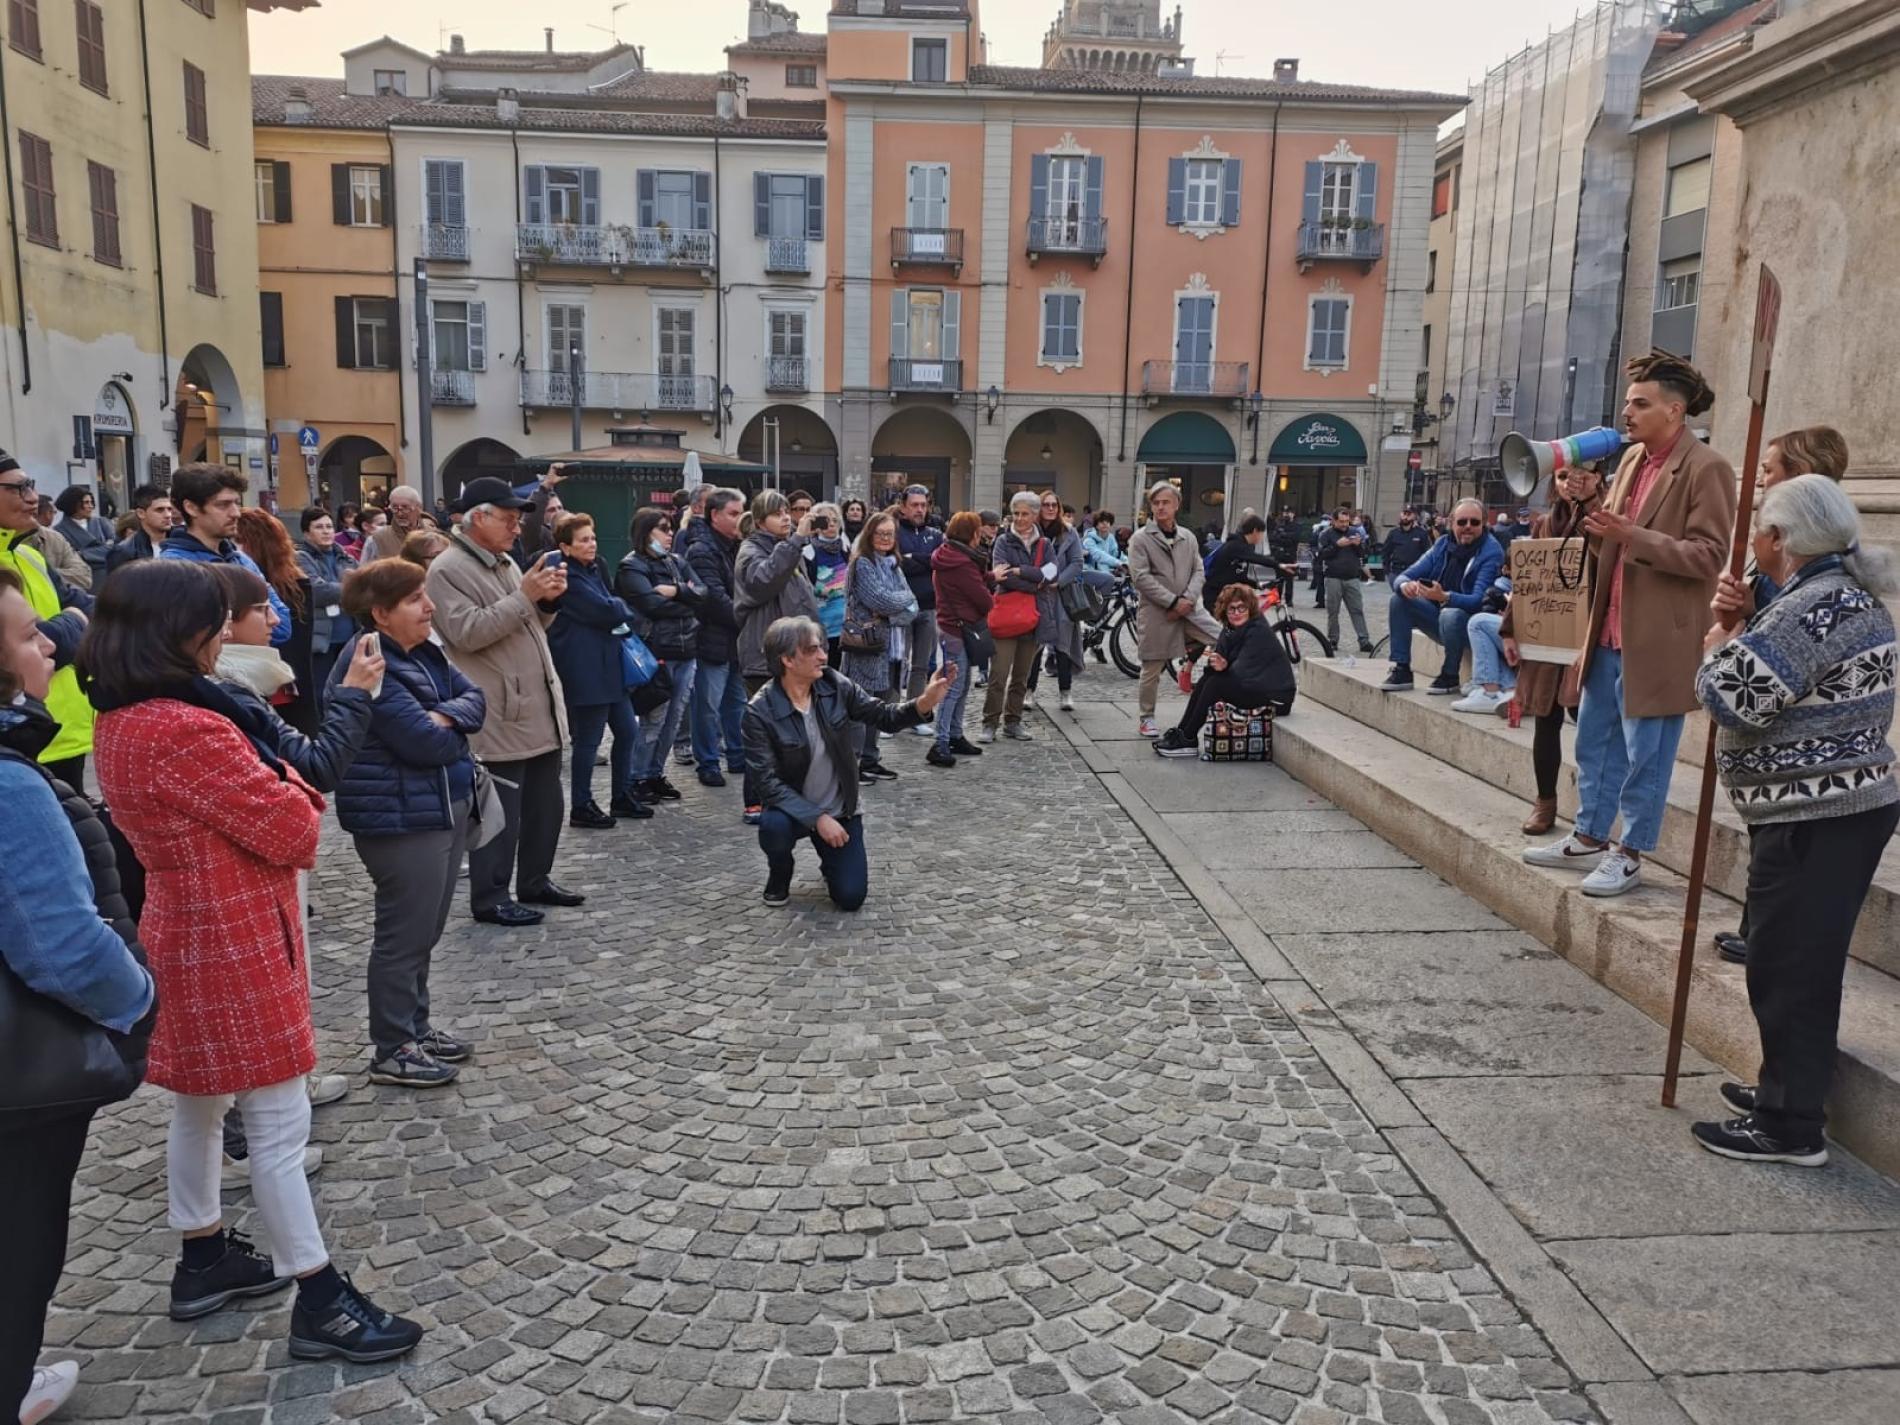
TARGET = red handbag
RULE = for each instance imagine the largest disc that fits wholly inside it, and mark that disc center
(1014, 612)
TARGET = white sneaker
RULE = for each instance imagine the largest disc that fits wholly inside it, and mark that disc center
(988, 734)
(326, 1088)
(982, 680)
(1619, 872)
(1479, 701)
(51, 1385)
(237, 1171)
(1029, 702)
(1148, 727)
(1068, 702)
(924, 729)
(1569, 854)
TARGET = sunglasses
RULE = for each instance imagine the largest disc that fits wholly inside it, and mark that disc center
(1466, 524)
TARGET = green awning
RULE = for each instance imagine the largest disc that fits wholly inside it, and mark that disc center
(1186, 438)
(1318, 439)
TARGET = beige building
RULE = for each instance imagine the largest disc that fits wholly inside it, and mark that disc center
(1432, 401)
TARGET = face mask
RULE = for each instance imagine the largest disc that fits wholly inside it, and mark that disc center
(657, 545)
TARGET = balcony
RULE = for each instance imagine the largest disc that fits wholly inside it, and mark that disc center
(1351, 240)
(787, 374)
(668, 247)
(1194, 381)
(617, 391)
(915, 374)
(452, 388)
(788, 255)
(927, 247)
(1068, 237)
(443, 242)
(575, 245)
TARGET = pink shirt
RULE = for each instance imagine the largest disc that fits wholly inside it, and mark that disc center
(1645, 481)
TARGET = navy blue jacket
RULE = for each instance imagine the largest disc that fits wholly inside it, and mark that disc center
(914, 548)
(1480, 574)
(582, 639)
(711, 559)
(411, 770)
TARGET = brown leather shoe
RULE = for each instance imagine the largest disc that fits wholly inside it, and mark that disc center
(1543, 816)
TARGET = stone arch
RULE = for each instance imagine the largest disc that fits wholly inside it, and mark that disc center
(809, 456)
(923, 445)
(1056, 447)
(481, 456)
(351, 470)
(206, 399)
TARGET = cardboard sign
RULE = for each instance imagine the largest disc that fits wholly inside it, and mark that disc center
(1550, 604)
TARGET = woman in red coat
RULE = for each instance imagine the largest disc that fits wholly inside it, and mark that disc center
(222, 828)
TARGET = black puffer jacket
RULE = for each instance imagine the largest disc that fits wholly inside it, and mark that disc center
(669, 626)
(711, 556)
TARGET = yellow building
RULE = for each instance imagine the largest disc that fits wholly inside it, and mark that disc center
(127, 296)
(335, 356)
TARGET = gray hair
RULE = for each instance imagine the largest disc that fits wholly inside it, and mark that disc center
(767, 503)
(482, 509)
(722, 496)
(825, 510)
(1163, 487)
(1025, 499)
(1816, 517)
(1471, 500)
(789, 637)
(405, 492)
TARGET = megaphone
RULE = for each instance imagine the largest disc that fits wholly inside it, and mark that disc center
(1527, 462)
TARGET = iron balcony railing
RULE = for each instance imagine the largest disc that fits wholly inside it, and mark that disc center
(618, 391)
(918, 374)
(1084, 237)
(1195, 380)
(668, 247)
(445, 242)
(934, 247)
(1342, 240)
(787, 254)
(575, 245)
(452, 388)
(787, 373)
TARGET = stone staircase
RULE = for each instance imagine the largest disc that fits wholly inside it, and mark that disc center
(1451, 789)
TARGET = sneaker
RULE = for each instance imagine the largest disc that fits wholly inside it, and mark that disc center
(982, 680)
(1399, 680)
(1745, 1140)
(987, 735)
(352, 1327)
(1480, 701)
(1029, 702)
(1016, 732)
(1176, 743)
(711, 777)
(778, 886)
(412, 1067)
(940, 756)
(50, 1388)
(1616, 873)
(924, 729)
(1571, 853)
(237, 1171)
(683, 756)
(1365, 647)
(963, 747)
(1741, 1097)
(1445, 685)
(1148, 727)
(440, 1044)
(326, 1088)
(753, 816)
(658, 789)
(876, 772)
(1732, 947)
(589, 817)
(1068, 702)
(632, 807)
(242, 1271)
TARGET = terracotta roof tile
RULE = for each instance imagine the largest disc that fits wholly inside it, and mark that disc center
(793, 44)
(1095, 81)
(609, 121)
(556, 61)
(330, 107)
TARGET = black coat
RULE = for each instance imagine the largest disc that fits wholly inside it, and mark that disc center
(1257, 659)
(135, 546)
(1405, 547)
(320, 760)
(670, 627)
(778, 756)
(1229, 566)
(711, 559)
(582, 639)
(1339, 560)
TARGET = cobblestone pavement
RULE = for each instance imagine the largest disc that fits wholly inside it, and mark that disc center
(1023, 1141)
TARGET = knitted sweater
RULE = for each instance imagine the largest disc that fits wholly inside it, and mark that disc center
(1803, 699)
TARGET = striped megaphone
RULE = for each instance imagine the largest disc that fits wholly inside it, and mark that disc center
(1526, 462)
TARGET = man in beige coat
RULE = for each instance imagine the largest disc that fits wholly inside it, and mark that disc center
(1164, 561)
(1656, 546)
(489, 616)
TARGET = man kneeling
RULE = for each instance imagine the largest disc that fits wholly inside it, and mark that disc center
(798, 752)
(1248, 668)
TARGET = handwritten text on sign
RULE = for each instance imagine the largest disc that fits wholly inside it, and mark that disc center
(1550, 609)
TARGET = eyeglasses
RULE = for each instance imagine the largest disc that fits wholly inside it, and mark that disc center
(19, 487)
(1466, 524)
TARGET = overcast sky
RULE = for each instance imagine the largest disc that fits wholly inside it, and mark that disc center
(1395, 43)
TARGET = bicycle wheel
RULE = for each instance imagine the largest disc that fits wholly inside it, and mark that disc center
(1124, 645)
(1302, 640)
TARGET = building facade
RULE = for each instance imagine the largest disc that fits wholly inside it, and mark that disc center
(1428, 480)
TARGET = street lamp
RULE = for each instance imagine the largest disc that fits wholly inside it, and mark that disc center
(1445, 404)
(725, 405)
(1047, 454)
(1255, 403)
(994, 398)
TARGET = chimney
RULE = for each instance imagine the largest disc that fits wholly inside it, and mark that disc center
(456, 46)
(297, 108)
(1286, 71)
(549, 32)
(729, 100)
(508, 106)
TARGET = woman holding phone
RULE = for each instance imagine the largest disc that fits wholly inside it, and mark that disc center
(663, 594)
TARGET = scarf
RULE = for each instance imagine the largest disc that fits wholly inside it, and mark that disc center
(259, 669)
(254, 720)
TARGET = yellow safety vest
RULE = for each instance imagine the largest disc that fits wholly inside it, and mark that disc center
(64, 701)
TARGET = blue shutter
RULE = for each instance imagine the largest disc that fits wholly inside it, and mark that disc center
(761, 205)
(1365, 192)
(1039, 185)
(590, 197)
(1092, 190)
(644, 184)
(1315, 180)
(1230, 194)
(535, 181)
(478, 336)
(1177, 191)
(702, 202)
(815, 208)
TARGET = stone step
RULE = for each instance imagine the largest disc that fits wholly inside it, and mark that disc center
(1465, 829)
(1488, 748)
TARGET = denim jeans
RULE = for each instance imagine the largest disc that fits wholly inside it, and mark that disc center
(950, 710)
(657, 731)
(847, 874)
(1623, 763)
(1487, 652)
(718, 711)
(587, 725)
(922, 660)
(1444, 625)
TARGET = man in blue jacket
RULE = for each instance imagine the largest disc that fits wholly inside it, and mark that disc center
(208, 498)
(1438, 595)
(916, 542)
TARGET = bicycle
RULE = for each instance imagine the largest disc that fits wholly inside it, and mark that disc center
(1300, 639)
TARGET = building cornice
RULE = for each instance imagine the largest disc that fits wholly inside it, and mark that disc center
(1812, 49)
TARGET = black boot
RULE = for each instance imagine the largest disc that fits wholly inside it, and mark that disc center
(629, 804)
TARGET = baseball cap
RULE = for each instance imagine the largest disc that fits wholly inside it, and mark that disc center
(7, 462)
(489, 490)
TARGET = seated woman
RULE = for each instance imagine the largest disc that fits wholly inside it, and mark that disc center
(1493, 678)
(1248, 668)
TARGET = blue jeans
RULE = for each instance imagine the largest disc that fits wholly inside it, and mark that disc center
(718, 711)
(1444, 625)
(1623, 763)
(1487, 652)
(586, 725)
(950, 710)
(657, 731)
(846, 872)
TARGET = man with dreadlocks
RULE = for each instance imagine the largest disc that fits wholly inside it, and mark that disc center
(1656, 546)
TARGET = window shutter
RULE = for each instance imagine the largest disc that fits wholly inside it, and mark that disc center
(346, 333)
(645, 183)
(280, 185)
(1365, 192)
(454, 208)
(340, 194)
(1092, 190)
(702, 202)
(478, 336)
(761, 205)
(590, 197)
(815, 209)
(1230, 194)
(536, 181)
(1177, 191)
(900, 324)
(388, 178)
(952, 326)
(1039, 185)
(435, 200)
(1309, 202)
(271, 314)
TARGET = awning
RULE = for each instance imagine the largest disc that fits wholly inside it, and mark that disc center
(1186, 438)
(1318, 439)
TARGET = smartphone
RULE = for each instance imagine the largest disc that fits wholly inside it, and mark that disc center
(552, 559)
(375, 642)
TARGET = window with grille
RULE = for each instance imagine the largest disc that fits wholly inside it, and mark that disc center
(36, 179)
(204, 252)
(197, 114)
(103, 186)
(90, 22)
(801, 76)
(23, 26)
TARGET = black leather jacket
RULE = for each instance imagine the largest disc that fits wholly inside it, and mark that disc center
(778, 756)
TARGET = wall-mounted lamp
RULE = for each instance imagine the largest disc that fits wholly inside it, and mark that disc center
(1255, 403)
(1445, 404)
(725, 403)
(1047, 453)
(992, 398)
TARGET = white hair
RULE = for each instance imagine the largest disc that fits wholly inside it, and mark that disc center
(1816, 518)
(481, 509)
(1162, 487)
(1025, 499)
(405, 492)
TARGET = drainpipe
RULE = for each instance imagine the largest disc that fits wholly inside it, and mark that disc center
(1128, 304)
(1266, 279)
(719, 301)
(158, 225)
(423, 324)
(13, 231)
(521, 306)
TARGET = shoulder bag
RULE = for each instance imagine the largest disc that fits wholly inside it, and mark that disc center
(862, 632)
(1014, 613)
